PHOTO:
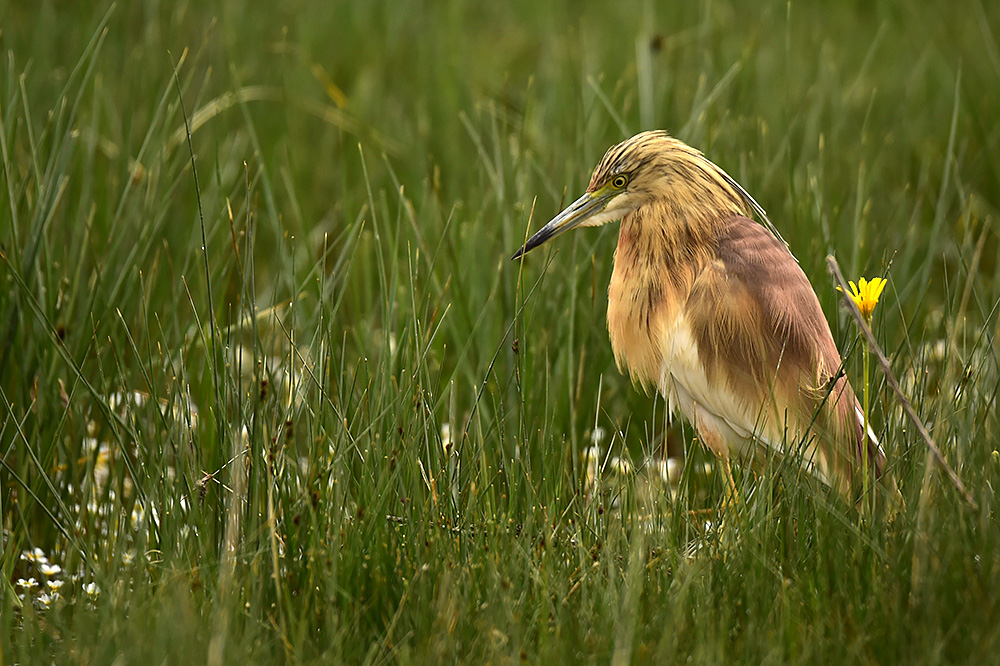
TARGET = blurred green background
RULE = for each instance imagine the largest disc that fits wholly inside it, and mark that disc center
(300, 406)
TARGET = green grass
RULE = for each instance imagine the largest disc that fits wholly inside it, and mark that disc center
(300, 407)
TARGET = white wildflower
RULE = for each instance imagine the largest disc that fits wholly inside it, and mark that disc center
(621, 465)
(592, 463)
(50, 569)
(669, 469)
(28, 584)
(36, 555)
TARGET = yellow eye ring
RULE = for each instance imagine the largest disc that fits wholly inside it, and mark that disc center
(619, 182)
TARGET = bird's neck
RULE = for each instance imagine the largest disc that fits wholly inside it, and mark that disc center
(662, 247)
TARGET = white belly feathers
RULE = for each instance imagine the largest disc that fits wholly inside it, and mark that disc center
(685, 386)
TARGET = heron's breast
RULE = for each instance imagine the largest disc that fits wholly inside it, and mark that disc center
(637, 311)
(651, 281)
(653, 341)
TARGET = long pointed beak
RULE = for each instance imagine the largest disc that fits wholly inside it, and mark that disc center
(574, 215)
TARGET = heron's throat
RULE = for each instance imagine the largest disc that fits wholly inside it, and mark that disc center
(661, 250)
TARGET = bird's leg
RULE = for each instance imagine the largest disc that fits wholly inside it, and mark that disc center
(717, 444)
(732, 496)
(729, 505)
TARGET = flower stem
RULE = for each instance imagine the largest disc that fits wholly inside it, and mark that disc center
(865, 356)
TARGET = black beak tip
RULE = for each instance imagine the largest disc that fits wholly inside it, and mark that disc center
(540, 237)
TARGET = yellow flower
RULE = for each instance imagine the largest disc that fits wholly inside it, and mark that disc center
(866, 294)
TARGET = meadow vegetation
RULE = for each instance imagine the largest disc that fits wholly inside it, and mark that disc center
(272, 391)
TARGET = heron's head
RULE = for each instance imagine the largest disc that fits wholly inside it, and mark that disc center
(648, 167)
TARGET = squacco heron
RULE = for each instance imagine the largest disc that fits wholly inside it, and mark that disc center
(713, 310)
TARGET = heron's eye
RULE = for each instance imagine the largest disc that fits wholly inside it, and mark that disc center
(619, 182)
